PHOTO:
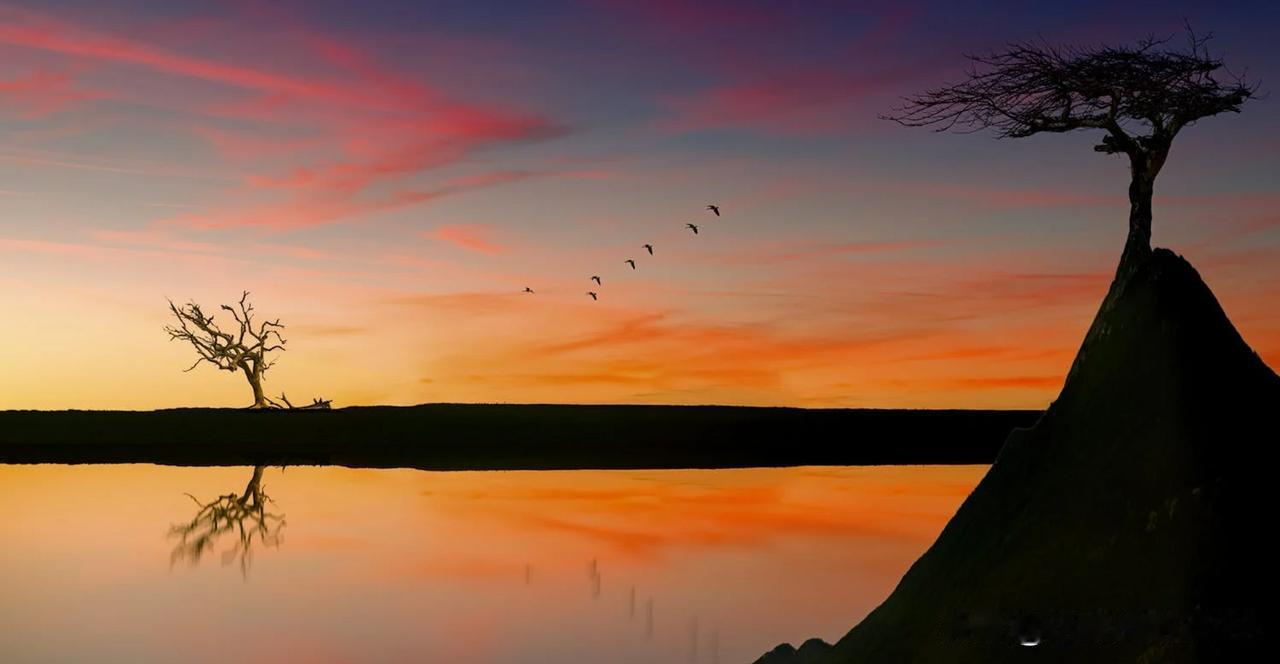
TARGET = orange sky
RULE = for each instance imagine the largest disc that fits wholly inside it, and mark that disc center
(389, 191)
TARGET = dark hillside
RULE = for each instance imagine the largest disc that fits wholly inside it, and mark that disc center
(1127, 525)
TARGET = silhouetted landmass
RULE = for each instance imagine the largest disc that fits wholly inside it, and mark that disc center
(813, 651)
(1128, 524)
(473, 436)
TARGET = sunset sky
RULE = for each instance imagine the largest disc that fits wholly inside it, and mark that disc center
(386, 177)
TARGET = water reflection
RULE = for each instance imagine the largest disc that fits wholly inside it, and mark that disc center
(244, 515)
(593, 578)
(467, 567)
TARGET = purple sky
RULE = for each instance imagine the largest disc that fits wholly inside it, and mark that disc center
(387, 177)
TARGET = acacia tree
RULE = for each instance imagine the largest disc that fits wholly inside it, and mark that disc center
(244, 349)
(1140, 96)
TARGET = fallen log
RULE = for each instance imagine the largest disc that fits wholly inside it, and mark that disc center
(316, 404)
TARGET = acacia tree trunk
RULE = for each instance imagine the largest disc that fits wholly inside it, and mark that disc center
(255, 381)
(1137, 246)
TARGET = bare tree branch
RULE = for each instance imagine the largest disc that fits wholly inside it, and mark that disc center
(245, 349)
(1141, 95)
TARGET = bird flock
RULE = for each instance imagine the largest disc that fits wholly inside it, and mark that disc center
(595, 294)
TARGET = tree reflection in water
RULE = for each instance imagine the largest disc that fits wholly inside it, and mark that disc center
(245, 515)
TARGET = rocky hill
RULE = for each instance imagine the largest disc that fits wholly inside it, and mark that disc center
(1129, 524)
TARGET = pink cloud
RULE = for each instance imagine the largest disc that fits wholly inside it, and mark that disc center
(796, 103)
(153, 240)
(782, 252)
(1011, 198)
(116, 254)
(45, 92)
(472, 237)
(339, 203)
(300, 213)
(253, 146)
(81, 162)
(357, 128)
(31, 30)
(762, 90)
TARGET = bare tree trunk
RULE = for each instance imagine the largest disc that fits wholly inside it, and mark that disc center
(255, 381)
(1137, 246)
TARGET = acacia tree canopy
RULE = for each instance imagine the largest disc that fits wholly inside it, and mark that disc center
(1141, 95)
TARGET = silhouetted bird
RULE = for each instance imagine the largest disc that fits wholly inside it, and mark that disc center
(596, 279)
(631, 263)
(593, 295)
(528, 290)
(715, 209)
(649, 248)
(692, 227)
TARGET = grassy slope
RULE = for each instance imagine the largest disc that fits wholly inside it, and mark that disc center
(455, 436)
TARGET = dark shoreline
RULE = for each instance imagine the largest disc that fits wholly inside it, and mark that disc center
(511, 437)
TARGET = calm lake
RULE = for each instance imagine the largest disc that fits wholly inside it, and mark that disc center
(124, 563)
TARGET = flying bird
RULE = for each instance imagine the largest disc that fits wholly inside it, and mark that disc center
(528, 290)
(649, 248)
(715, 209)
(593, 295)
(596, 279)
(631, 263)
(692, 227)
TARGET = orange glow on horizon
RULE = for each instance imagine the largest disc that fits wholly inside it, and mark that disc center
(389, 198)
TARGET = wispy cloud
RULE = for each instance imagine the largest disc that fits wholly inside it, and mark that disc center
(472, 237)
(43, 93)
(101, 165)
(367, 128)
(772, 91)
(784, 252)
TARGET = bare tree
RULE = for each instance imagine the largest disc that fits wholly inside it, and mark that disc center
(1140, 96)
(245, 349)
